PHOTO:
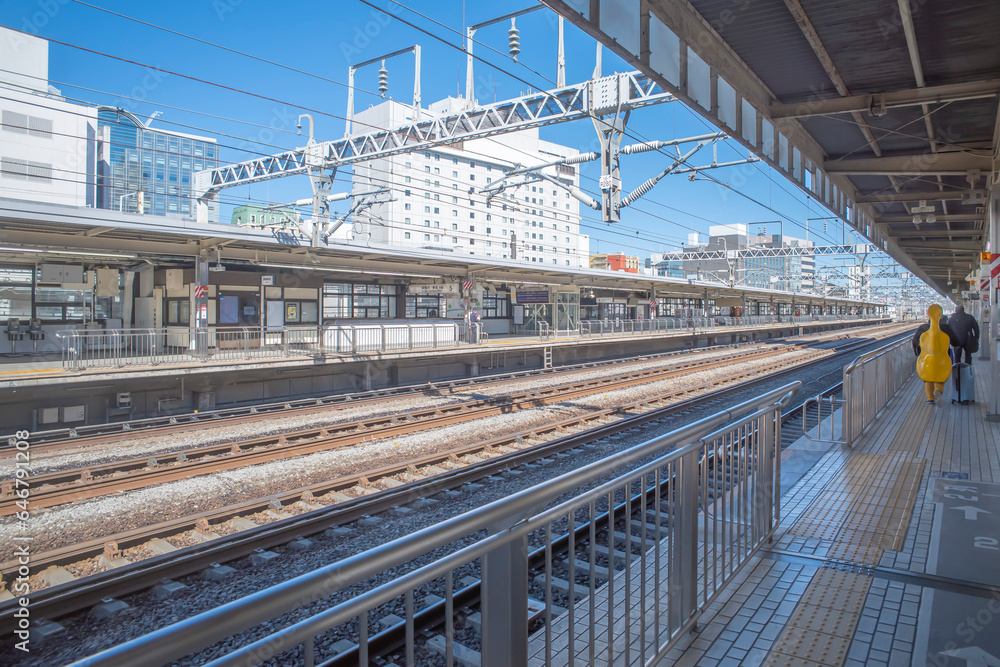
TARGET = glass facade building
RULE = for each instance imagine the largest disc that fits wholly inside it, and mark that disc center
(159, 164)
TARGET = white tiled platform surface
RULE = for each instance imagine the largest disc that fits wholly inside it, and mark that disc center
(742, 626)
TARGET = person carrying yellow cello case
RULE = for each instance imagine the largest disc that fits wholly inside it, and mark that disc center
(966, 330)
(932, 342)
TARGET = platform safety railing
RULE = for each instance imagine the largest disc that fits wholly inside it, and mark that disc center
(119, 348)
(696, 514)
(870, 382)
(622, 327)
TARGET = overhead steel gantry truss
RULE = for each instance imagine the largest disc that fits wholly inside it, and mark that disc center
(593, 98)
(688, 55)
(794, 251)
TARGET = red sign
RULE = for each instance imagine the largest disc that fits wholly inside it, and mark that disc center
(200, 291)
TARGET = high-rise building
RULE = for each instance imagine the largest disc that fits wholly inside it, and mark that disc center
(46, 143)
(259, 217)
(435, 204)
(660, 264)
(618, 261)
(149, 170)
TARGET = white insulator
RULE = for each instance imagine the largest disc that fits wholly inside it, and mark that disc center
(640, 191)
(513, 41)
(582, 157)
(644, 147)
(383, 81)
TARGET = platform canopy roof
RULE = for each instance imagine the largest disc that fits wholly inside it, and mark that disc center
(875, 107)
(34, 233)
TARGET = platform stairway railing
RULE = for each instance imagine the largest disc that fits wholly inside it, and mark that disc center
(711, 488)
(870, 383)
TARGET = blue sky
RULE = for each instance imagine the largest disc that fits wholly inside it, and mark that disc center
(324, 38)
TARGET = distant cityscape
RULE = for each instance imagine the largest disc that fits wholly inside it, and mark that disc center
(444, 200)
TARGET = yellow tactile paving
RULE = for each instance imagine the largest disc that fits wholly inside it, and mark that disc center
(823, 622)
(865, 510)
(801, 644)
(819, 619)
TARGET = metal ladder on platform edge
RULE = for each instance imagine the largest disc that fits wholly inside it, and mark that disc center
(547, 357)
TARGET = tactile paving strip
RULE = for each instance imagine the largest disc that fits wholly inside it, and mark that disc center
(866, 509)
(821, 626)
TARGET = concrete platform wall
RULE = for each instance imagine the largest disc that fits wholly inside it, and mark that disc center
(191, 389)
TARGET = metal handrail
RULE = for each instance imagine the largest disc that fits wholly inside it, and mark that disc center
(520, 514)
(870, 383)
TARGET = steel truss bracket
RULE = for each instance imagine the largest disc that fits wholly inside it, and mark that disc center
(610, 133)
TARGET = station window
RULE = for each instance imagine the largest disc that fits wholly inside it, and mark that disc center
(179, 312)
(358, 301)
(424, 306)
(15, 293)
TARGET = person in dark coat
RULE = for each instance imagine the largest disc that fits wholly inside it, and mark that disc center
(945, 328)
(966, 330)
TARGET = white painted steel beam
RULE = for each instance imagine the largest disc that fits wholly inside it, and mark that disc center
(671, 42)
(936, 195)
(945, 164)
(634, 89)
(955, 92)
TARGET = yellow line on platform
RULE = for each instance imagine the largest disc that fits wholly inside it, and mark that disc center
(40, 370)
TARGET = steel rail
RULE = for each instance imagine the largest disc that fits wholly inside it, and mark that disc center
(72, 597)
(432, 617)
(61, 487)
(100, 433)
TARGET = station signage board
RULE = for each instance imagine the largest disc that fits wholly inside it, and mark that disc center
(611, 299)
(448, 289)
(267, 280)
(532, 296)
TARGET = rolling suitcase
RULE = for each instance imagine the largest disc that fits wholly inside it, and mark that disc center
(963, 384)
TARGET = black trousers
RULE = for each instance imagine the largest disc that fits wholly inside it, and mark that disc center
(958, 354)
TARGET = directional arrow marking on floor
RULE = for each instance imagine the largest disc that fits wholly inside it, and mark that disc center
(974, 657)
(972, 513)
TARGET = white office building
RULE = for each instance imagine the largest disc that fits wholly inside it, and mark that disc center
(435, 203)
(47, 145)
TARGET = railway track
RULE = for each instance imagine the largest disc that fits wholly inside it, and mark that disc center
(101, 434)
(427, 476)
(61, 487)
(600, 550)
